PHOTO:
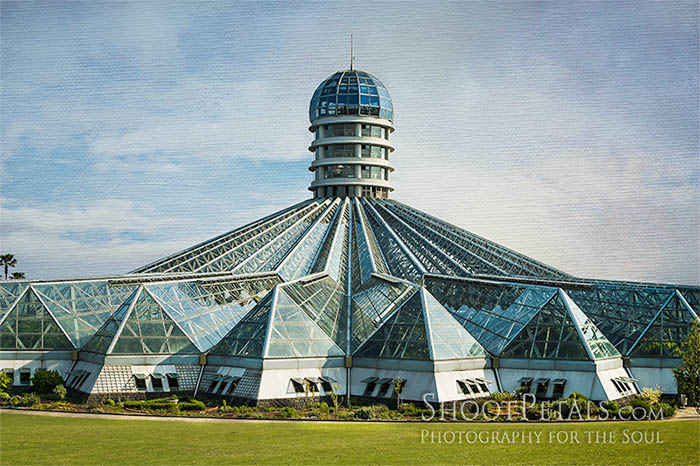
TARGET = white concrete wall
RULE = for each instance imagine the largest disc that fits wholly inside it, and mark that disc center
(652, 377)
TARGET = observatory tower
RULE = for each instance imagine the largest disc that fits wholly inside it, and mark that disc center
(351, 117)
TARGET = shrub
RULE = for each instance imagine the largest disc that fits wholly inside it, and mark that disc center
(503, 396)
(578, 396)
(638, 403)
(5, 382)
(45, 381)
(409, 409)
(365, 412)
(4, 397)
(194, 405)
(324, 408)
(668, 410)
(15, 400)
(60, 392)
(534, 413)
(611, 407)
(29, 399)
(651, 395)
(625, 412)
(288, 412)
(110, 402)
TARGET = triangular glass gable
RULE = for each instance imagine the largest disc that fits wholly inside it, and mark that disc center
(150, 330)
(599, 346)
(247, 338)
(376, 300)
(294, 335)
(324, 301)
(402, 336)
(551, 334)
(666, 333)
(493, 313)
(100, 342)
(30, 326)
(620, 312)
(205, 314)
(10, 291)
(448, 339)
(82, 307)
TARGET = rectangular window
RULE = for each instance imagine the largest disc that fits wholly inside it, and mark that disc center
(173, 381)
(376, 131)
(140, 381)
(558, 390)
(525, 384)
(298, 385)
(25, 376)
(542, 387)
(157, 382)
(371, 385)
(384, 386)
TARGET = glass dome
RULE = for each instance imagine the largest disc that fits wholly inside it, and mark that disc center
(351, 93)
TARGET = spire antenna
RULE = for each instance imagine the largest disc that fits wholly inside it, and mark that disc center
(352, 57)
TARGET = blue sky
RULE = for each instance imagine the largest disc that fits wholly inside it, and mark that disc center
(566, 131)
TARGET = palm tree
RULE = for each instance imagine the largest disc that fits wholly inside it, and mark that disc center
(17, 276)
(8, 260)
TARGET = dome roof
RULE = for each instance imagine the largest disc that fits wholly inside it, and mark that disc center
(350, 93)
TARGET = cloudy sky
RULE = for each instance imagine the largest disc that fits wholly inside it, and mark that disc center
(567, 130)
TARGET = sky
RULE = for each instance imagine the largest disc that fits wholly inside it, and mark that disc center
(567, 131)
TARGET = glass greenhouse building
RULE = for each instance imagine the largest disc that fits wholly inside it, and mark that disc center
(346, 292)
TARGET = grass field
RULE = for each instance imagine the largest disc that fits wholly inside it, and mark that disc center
(28, 439)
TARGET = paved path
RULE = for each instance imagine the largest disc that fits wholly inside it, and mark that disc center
(687, 414)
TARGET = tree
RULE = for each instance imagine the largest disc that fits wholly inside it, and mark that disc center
(17, 276)
(398, 389)
(45, 381)
(8, 260)
(688, 375)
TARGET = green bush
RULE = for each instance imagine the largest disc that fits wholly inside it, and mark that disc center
(4, 397)
(409, 409)
(45, 381)
(365, 412)
(194, 405)
(638, 403)
(667, 409)
(500, 397)
(110, 402)
(15, 400)
(611, 407)
(288, 412)
(578, 396)
(324, 408)
(534, 413)
(60, 392)
(29, 399)
(625, 412)
(5, 382)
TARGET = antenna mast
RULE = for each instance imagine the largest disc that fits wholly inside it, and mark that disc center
(352, 57)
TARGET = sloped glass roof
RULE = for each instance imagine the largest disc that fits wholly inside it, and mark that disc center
(492, 312)
(82, 307)
(103, 338)
(401, 336)
(374, 302)
(448, 339)
(247, 338)
(665, 333)
(324, 301)
(30, 326)
(620, 312)
(293, 334)
(10, 291)
(148, 329)
(207, 314)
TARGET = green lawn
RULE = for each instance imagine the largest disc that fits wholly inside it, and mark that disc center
(53, 440)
